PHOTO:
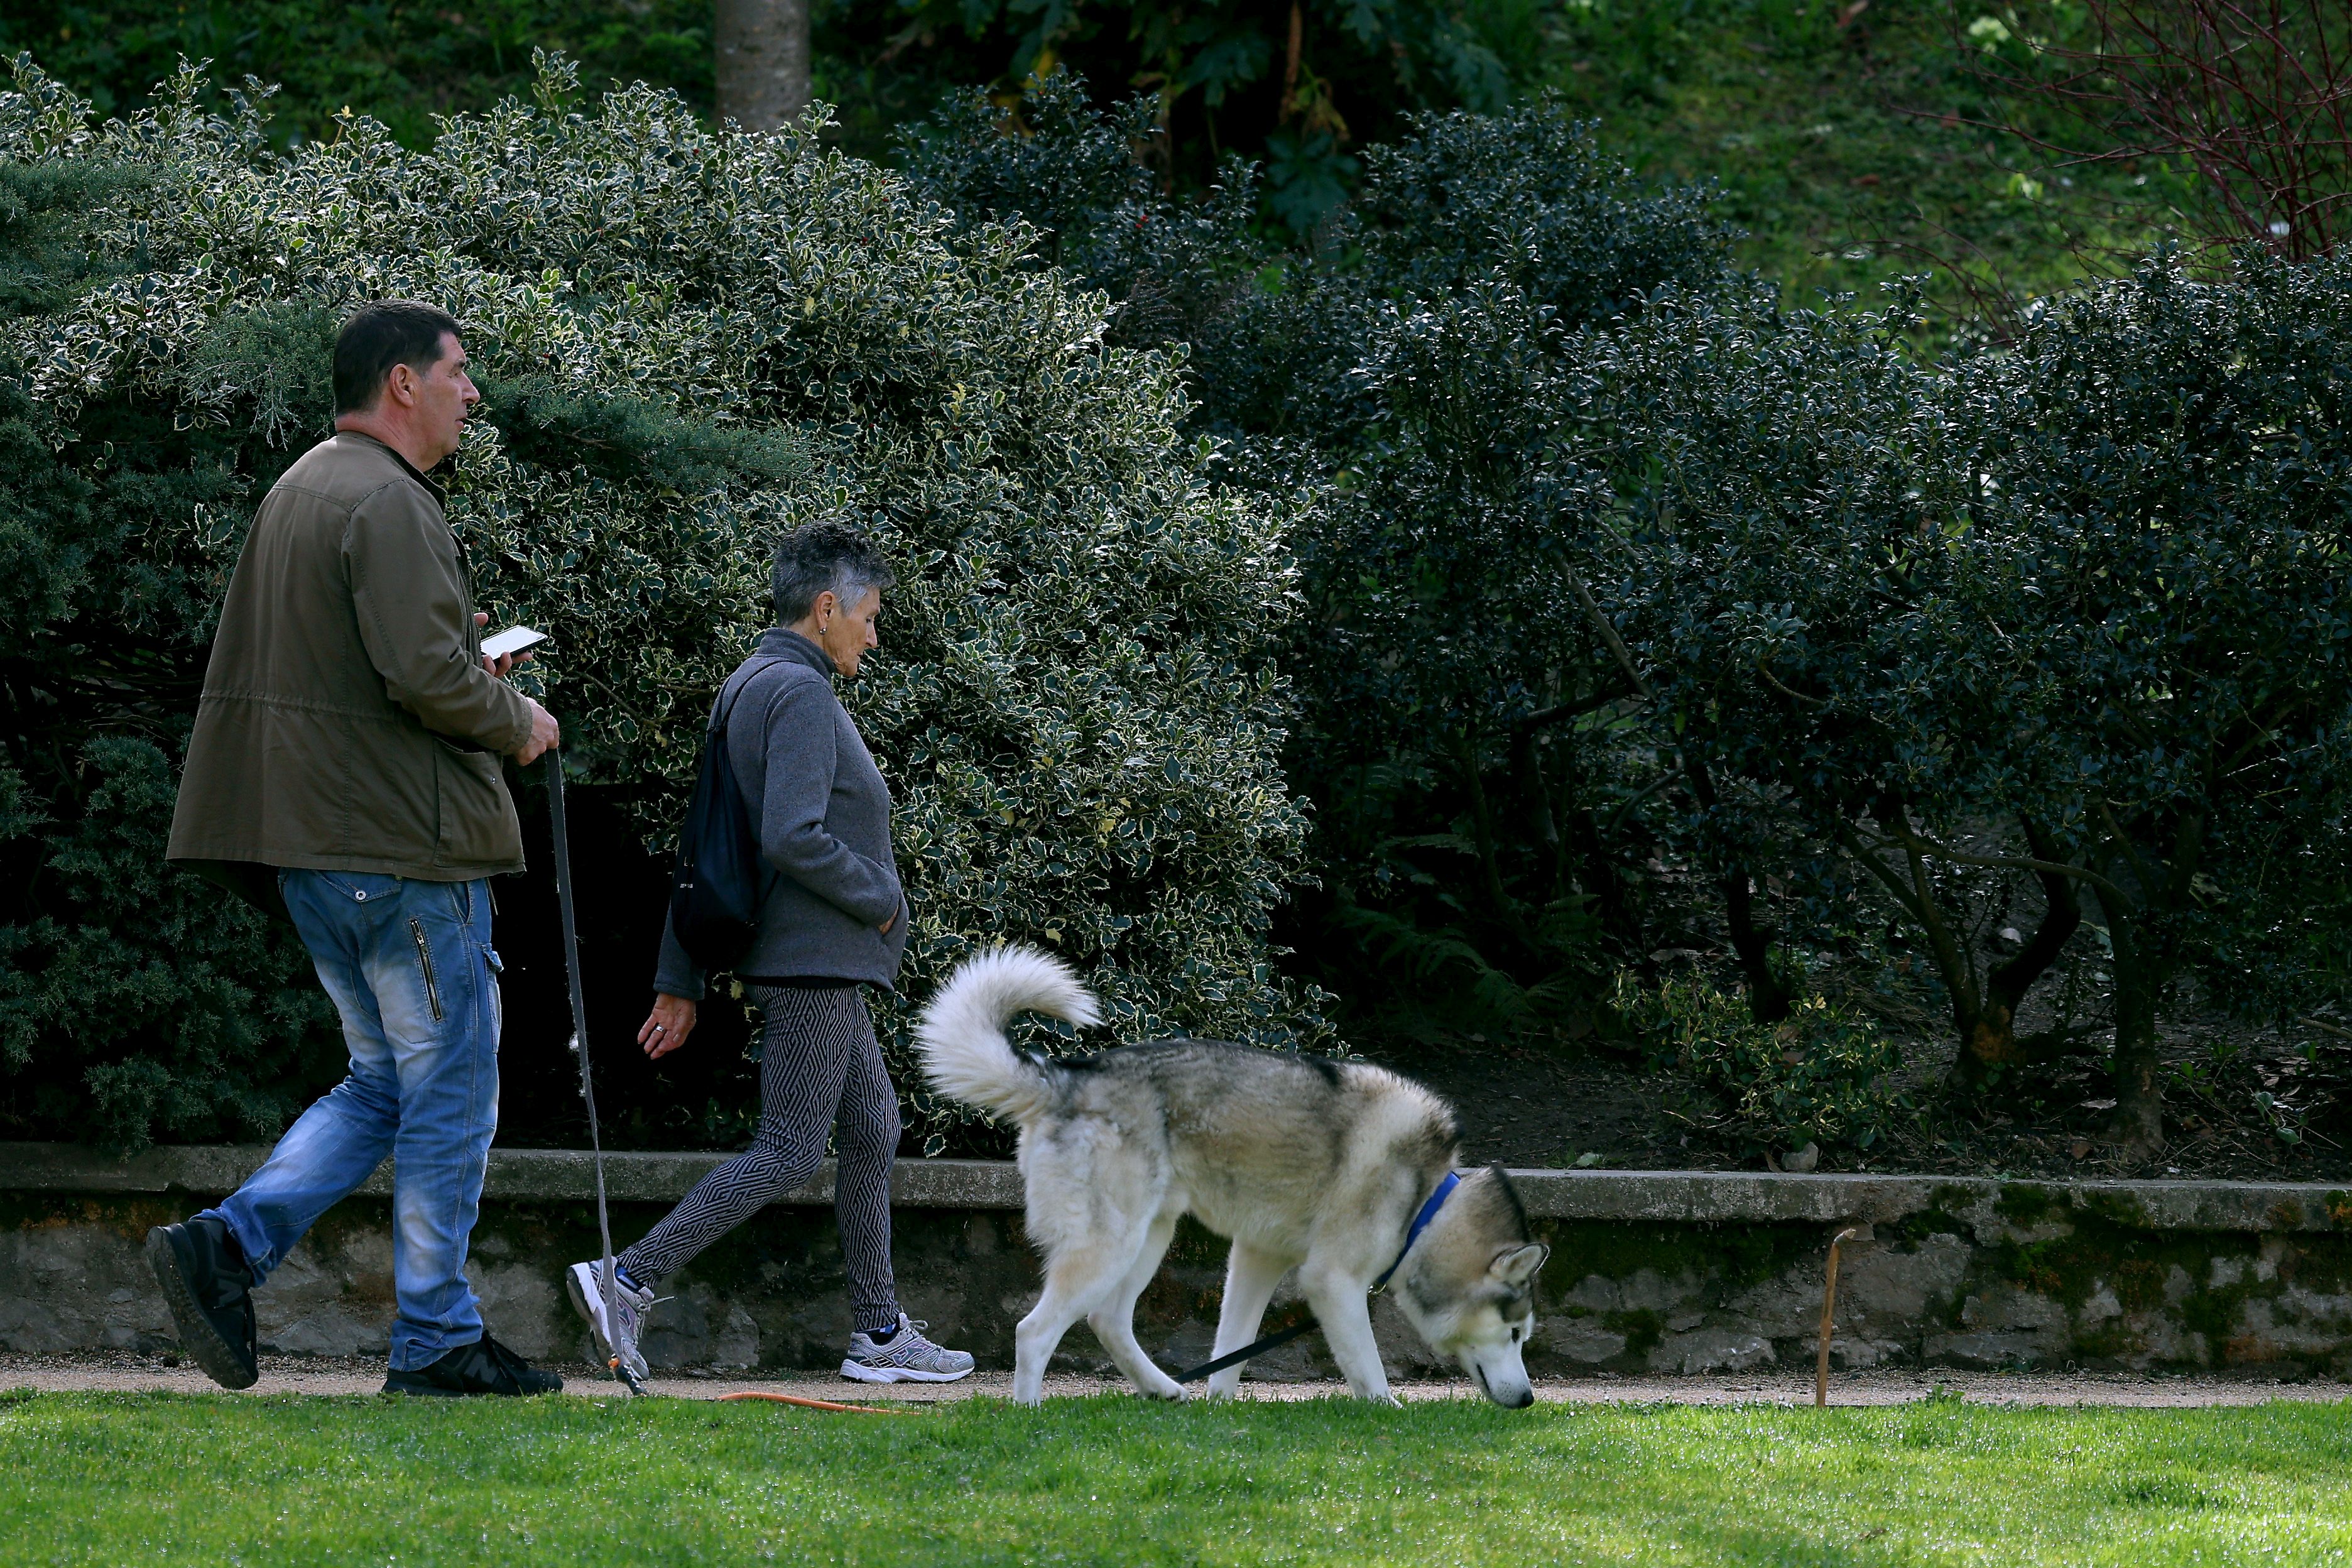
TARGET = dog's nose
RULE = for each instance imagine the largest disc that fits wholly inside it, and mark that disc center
(1517, 1399)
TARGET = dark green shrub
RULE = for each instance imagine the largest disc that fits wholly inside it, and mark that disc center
(189, 1017)
(1415, 372)
(2161, 513)
(1221, 74)
(1171, 267)
(1526, 197)
(1460, 733)
(2073, 611)
(1818, 1075)
(1785, 550)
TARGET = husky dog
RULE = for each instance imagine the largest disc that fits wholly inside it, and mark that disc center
(1337, 1169)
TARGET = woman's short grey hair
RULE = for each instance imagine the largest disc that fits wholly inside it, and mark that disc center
(819, 556)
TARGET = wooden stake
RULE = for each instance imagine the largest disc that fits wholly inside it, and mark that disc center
(1829, 1308)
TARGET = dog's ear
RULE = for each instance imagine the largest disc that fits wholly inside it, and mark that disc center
(1519, 1264)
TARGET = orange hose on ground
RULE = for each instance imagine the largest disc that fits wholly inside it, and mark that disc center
(807, 1403)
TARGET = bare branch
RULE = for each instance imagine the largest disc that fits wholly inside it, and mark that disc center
(2012, 862)
(1601, 624)
(2256, 95)
(1765, 669)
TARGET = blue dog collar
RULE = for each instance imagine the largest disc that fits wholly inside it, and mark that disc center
(1419, 1223)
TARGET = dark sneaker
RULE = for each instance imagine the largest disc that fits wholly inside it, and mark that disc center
(210, 1292)
(485, 1366)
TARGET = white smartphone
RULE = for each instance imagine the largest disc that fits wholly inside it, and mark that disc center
(514, 639)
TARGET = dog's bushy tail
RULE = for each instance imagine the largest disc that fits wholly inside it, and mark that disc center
(962, 1033)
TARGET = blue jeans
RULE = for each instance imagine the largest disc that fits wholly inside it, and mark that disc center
(411, 968)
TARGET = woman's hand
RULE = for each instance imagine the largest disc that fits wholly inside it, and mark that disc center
(667, 1025)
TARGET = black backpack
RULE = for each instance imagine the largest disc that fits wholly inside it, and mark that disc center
(720, 881)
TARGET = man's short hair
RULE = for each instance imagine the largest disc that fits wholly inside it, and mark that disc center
(821, 556)
(380, 335)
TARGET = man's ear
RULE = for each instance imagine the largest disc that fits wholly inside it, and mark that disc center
(1520, 1264)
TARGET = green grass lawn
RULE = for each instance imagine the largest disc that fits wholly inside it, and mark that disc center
(118, 1479)
(1852, 154)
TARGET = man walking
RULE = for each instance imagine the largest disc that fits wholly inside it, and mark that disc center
(345, 768)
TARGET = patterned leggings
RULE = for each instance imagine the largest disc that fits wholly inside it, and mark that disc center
(820, 1069)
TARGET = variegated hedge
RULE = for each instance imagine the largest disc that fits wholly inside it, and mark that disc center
(691, 340)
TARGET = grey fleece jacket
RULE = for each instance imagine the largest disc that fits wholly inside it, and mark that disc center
(822, 813)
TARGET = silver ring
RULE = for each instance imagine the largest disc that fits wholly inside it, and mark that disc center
(661, 1028)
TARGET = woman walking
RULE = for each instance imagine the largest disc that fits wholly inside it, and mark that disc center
(834, 918)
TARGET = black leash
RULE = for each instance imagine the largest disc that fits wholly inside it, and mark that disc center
(580, 1037)
(1247, 1353)
(1427, 1212)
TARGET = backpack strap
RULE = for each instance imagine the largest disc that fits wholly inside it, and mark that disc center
(718, 715)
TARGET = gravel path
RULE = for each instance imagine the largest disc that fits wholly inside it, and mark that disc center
(322, 1375)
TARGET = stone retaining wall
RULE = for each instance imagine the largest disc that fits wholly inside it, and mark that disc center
(1651, 1272)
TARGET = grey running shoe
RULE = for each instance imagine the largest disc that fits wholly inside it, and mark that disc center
(908, 1358)
(584, 1283)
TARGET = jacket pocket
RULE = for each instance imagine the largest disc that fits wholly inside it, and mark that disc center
(477, 825)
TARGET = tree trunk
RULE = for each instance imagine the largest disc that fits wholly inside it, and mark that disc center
(1990, 1041)
(1482, 827)
(2145, 936)
(2140, 985)
(2140, 1099)
(1598, 878)
(1534, 796)
(1768, 999)
(1985, 1042)
(764, 62)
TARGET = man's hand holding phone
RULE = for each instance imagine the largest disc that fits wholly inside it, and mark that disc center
(501, 654)
(509, 648)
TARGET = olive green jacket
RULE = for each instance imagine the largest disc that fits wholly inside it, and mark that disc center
(347, 723)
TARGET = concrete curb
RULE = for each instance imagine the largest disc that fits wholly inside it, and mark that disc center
(516, 1175)
(1704, 1197)
(1670, 1197)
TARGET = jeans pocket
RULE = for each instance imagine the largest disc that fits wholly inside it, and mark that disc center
(360, 887)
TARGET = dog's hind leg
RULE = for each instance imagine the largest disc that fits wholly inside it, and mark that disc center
(1345, 1312)
(1093, 1201)
(1114, 1322)
(1036, 1336)
(1082, 1281)
(1251, 1275)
